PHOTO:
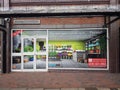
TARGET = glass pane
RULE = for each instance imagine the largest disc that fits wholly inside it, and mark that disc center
(40, 44)
(16, 36)
(34, 33)
(40, 61)
(77, 48)
(16, 62)
(28, 61)
(28, 44)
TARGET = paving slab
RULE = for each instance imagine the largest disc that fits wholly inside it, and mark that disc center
(113, 89)
(17, 89)
(81, 88)
(91, 88)
(103, 88)
(51, 89)
(69, 88)
(4, 88)
(36, 89)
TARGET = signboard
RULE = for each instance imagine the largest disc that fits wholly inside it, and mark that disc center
(97, 62)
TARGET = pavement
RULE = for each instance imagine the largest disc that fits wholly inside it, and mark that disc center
(60, 80)
(60, 89)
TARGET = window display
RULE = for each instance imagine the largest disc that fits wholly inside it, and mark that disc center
(75, 49)
(28, 61)
(16, 62)
(59, 49)
(16, 35)
(28, 44)
(40, 61)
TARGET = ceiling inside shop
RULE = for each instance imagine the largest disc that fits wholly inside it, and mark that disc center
(73, 34)
(65, 34)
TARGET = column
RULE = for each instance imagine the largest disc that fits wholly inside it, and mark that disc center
(114, 61)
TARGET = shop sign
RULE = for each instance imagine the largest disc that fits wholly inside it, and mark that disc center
(97, 62)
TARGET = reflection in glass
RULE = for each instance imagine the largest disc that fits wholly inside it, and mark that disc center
(40, 61)
(34, 32)
(16, 35)
(40, 44)
(28, 61)
(16, 63)
(28, 45)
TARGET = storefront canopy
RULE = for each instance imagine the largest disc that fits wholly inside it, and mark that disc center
(38, 11)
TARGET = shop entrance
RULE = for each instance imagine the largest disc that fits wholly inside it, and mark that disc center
(29, 51)
(40, 50)
(34, 53)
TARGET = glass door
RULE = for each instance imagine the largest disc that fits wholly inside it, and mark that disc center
(41, 53)
(28, 53)
(34, 53)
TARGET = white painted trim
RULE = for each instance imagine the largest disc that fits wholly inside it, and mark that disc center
(107, 49)
(104, 69)
(64, 29)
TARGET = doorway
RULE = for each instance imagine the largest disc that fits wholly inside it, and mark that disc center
(40, 50)
(29, 51)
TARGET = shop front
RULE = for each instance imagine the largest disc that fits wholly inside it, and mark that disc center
(74, 49)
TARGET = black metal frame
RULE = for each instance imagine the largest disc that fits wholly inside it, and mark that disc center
(3, 29)
(32, 14)
(106, 24)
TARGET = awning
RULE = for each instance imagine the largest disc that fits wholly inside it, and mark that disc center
(77, 10)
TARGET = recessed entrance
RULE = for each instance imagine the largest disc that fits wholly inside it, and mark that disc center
(40, 50)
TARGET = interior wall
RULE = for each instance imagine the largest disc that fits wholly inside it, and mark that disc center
(76, 45)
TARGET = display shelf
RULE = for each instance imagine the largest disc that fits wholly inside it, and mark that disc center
(60, 51)
(93, 47)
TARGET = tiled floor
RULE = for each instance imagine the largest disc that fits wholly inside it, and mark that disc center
(67, 63)
(64, 63)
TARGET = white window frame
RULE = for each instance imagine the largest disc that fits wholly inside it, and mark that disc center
(68, 68)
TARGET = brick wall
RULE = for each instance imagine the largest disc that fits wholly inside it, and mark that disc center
(67, 21)
(71, 20)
